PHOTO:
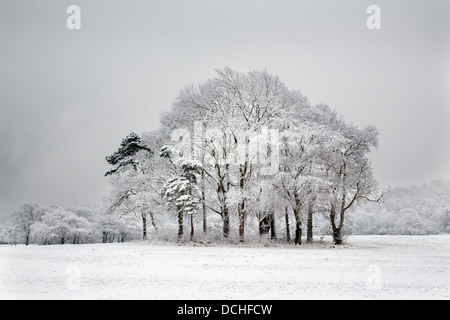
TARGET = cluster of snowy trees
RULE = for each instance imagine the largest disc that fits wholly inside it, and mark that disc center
(243, 150)
(242, 157)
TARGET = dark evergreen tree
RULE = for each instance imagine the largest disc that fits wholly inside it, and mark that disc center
(125, 157)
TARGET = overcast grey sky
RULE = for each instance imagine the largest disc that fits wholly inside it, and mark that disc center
(67, 98)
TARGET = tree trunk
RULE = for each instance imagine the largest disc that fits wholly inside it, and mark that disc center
(226, 221)
(309, 236)
(222, 195)
(273, 231)
(241, 206)
(180, 224)
(192, 227)
(341, 227)
(337, 238)
(205, 225)
(288, 231)
(298, 233)
(152, 218)
(144, 226)
(241, 214)
(298, 224)
(264, 224)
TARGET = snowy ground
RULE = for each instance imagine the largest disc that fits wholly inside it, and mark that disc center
(374, 267)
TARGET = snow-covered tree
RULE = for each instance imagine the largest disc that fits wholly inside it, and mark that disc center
(125, 157)
(23, 219)
(3, 236)
(60, 226)
(350, 172)
(180, 191)
(114, 228)
(8, 234)
(130, 177)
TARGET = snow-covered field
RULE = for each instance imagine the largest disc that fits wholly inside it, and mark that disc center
(373, 267)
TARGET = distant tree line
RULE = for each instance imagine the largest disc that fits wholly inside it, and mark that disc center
(51, 225)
